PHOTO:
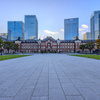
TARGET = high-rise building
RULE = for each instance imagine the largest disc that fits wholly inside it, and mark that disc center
(95, 25)
(87, 36)
(31, 27)
(15, 30)
(71, 28)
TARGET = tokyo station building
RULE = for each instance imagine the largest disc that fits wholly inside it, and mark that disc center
(49, 44)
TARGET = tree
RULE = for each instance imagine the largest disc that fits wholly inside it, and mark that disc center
(82, 47)
(90, 46)
(15, 47)
(1, 43)
(98, 43)
(8, 45)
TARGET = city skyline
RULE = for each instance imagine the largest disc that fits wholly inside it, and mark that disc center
(50, 14)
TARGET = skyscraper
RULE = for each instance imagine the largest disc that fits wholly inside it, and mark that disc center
(87, 36)
(31, 27)
(95, 25)
(71, 28)
(15, 30)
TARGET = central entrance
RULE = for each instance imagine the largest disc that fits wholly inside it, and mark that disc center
(49, 47)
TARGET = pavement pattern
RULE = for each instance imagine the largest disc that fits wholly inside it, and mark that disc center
(50, 77)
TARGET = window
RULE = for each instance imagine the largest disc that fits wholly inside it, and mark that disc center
(54, 43)
(42, 43)
(54, 46)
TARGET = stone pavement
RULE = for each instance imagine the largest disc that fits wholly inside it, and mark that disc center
(50, 77)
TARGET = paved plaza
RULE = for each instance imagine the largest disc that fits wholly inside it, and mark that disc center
(50, 77)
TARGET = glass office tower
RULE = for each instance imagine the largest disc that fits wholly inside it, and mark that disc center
(15, 30)
(31, 27)
(95, 25)
(71, 28)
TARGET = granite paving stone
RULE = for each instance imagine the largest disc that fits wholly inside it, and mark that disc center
(88, 94)
(56, 94)
(6, 98)
(40, 98)
(50, 77)
(24, 94)
(95, 87)
(74, 98)
(40, 90)
(69, 89)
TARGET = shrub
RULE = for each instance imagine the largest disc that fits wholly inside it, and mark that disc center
(42, 51)
(55, 52)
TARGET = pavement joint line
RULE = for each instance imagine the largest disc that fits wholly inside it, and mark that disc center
(24, 83)
(13, 83)
(37, 81)
(60, 82)
(72, 83)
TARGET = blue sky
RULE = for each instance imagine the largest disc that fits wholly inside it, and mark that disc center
(50, 14)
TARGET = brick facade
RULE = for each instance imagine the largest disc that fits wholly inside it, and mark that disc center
(49, 45)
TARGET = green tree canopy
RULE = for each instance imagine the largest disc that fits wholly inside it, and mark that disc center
(98, 43)
(1, 43)
(15, 47)
(8, 45)
(90, 46)
(82, 47)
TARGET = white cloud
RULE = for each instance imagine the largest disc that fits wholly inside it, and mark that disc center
(81, 29)
(85, 26)
(62, 30)
(50, 32)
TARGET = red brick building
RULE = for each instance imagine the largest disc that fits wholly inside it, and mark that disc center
(51, 45)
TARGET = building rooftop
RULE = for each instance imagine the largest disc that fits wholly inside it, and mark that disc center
(49, 38)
